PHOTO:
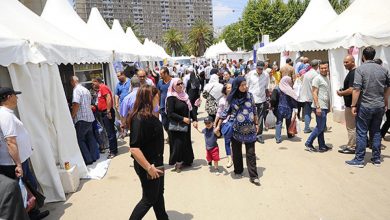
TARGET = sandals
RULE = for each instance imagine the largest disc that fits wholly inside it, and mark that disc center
(110, 156)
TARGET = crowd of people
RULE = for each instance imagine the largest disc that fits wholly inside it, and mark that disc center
(240, 101)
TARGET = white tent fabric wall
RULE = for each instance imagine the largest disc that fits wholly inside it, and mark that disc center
(43, 110)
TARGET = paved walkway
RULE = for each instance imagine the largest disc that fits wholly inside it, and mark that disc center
(295, 184)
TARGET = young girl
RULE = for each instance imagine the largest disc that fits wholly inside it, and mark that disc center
(212, 148)
(219, 123)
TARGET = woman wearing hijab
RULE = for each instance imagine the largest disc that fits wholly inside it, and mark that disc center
(212, 93)
(242, 112)
(287, 101)
(179, 110)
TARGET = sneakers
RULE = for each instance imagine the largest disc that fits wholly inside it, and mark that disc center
(230, 162)
(217, 172)
(310, 148)
(323, 149)
(238, 175)
(355, 163)
(260, 139)
(376, 162)
(347, 150)
(255, 181)
(210, 163)
(307, 131)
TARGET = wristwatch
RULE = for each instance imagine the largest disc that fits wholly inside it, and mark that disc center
(318, 107)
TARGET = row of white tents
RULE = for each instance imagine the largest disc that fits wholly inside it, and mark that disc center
(364, 23)
(31, 47)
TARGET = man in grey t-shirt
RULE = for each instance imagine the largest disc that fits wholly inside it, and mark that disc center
(320, 92)
(369, 101)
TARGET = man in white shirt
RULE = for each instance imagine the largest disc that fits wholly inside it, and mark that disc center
(83, 118)
(207, 71)
(15, 143)
(306, 93)
(257, 82)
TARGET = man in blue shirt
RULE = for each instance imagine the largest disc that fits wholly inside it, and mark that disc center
(122, 89)
(163, 86)
(128, 102)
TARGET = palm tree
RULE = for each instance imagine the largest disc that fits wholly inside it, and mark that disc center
(173, 40)
(200, 37)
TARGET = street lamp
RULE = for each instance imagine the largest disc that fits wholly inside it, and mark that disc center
(242, 36)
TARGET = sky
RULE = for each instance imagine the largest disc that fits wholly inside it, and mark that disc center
(226, 12)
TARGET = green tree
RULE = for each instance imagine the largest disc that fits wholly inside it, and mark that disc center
(173, 40)
(135, 29)
(200, 37)
(344, 4)
(231, 35)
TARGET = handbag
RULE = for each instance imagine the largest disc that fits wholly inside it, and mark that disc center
(178, 126)
(227, 128)
(292, 129)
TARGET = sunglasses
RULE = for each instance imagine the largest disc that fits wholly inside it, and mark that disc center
(180, 83)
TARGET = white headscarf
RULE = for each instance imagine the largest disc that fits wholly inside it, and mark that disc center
(214, 88)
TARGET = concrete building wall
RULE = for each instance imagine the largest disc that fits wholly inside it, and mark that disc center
(34, 5)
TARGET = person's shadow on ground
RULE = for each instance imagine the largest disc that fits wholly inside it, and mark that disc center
(177, 215)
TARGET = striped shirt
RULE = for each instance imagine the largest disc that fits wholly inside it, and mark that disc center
(82, 96)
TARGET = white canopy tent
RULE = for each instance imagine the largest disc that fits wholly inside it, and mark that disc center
(156, 49)
(60, 14)
(362, 24)
(213, 51)
(317, 14)
(30, 48)
(119, 36)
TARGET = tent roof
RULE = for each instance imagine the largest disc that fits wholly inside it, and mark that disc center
(363, 23)
(214, 50)
(317, 14)
(156, 49)
(98, 26)
(61, 15)
(26, 31)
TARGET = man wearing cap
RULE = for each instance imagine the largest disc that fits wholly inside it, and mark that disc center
(83, 118)
(306, 93)
(257, 82)
(15, 143)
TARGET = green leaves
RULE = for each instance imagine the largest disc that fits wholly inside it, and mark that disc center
(173, 40)
(272, 17)
(200, 37)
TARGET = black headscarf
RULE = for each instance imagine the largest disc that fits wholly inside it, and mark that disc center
(236, 93)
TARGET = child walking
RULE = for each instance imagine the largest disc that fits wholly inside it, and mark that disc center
(212, 149)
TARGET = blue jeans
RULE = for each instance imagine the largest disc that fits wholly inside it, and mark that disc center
(278, 125)
(86, 140)
(368, 120)
(307, 115)
(109, 125)
(318, 131)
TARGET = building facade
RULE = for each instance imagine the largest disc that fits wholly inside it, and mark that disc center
(153, 17)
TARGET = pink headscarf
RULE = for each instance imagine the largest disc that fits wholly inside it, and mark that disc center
(181, 96)
(285, 86)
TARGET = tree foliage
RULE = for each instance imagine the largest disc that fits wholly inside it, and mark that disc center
(200, 37)
(173, 40)
(272, 17)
